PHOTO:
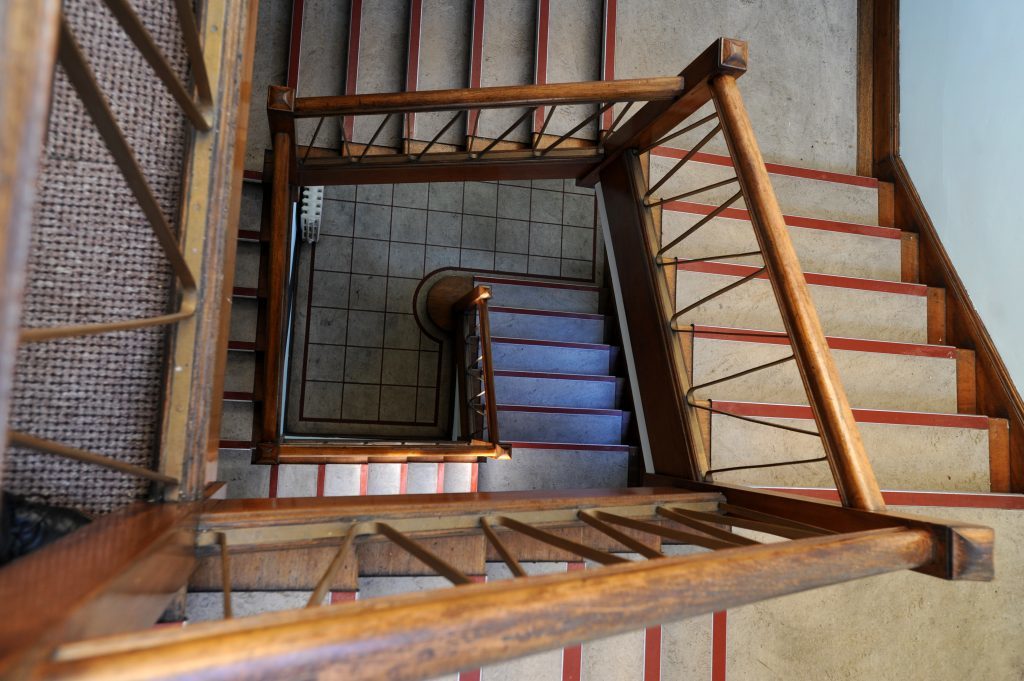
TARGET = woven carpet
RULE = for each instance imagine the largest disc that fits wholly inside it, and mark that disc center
(94, 259)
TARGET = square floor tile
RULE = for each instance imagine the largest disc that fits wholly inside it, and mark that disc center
(362, 365)
(325, 363)
(398, 403)
(428, 369)
(480, 198)
(337, 218)
(446, 196)
(438, 257)
(360, 402)
(369, 292)
(578, 243)
(545, 266)
(296, 480)
(340, 192)
(578, 269)
(545, 206)
(401, 332)
(408, 224)
(444, 229)
(553, 185)
(478, 232)
(513, 236)
(321, 400)
(513, 202)
(426, 404)
(400, 294)
(374, 193)
(406, 260)
(400, 367)
(477, 260)
(330, 289)
(545, 240)
(511, 262)
(411, 195)
(373, 221)
(333, 253)
(578, 210)
(370, 257)
(365, 328)
(327, 326)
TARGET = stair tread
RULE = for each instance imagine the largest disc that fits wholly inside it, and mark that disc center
(541, 312)
(890, 416)
(552, 343)
(744, 335)
(806, 222)
(813, 278)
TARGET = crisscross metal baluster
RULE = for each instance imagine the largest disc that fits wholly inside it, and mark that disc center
(586, 121)
(682, 162)
(508, 130)
(672, 136)
(700, 223)
(694, 192)
(373, 138)
(436, 137)
(725, 289)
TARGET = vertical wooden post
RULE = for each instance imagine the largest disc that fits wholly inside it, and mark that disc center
(851, 469)
(487, 370)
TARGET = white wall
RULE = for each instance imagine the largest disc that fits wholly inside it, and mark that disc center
(962, 139)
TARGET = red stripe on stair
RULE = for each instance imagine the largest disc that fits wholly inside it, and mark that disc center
(572, 658)
(343, 596)
(834, 342)
(900, 418)
(791, 220)
(776, 168)
(814, 279)
(559, 410)
(1010, 502)
(295, 44)
(540, 72)
(352, 60)
(550, 343)
(718, 646)
(412, 68)
(608, 56)
(558, 377)
(533, 282)
(547, 313)
(652, 654)
(440, 477)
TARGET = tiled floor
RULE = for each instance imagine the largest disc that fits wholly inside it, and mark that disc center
(361, 365)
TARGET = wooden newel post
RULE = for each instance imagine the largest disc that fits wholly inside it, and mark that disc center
(851, 468)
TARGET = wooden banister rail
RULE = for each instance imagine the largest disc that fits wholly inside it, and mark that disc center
(476, 300)
(850, 466)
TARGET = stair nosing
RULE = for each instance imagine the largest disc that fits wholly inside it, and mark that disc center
(542, 444)
(549, 375)
(532, 282)
(568, 411)
(743, 335)
(813, 278)
(879, 416)
(508, 340)
(540, 312)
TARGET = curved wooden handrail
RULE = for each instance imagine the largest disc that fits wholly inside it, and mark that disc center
(477, 298)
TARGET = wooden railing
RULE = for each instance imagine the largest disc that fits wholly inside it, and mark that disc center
(329, 541)
(478, 404)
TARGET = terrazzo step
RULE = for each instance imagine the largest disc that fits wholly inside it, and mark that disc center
(440, 37)
(237, 420)
(908, 450)
(557, 390)
(521, 322)
(523, 354)
(378, 37)
(243, 320)
(826, 246)
(240, 372)
(875, 374)
(847, 306)
(247, 265)
(561, 424)
(322, 56)
(522, 293)
(504, 37)
(800, 191)
(556, 465)
(569, 51)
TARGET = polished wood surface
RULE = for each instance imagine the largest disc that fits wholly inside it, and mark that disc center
(847, 458)
(372, 452)
(505, 96)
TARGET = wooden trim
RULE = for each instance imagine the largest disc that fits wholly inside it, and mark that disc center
(865, 85)
(730, 269)
(886, 204)
(966, 383)
(29, 53)
(294, 44)
(936, 316)
(1006, 502)
(890, 416)
(834, 342)
(114, 575)
(999, 455)
(909, 252)
(885, 94)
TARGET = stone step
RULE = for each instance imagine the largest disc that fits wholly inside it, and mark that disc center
(908, 450)
(243, 320)
(505, 38)
(556, 390)
(800, 191)
(569, 51)
(520, 322)
(507, 292)
(240, 372)
(247, 265)
(440, 37)
(378, 38)
(561, 424)
(523, 354)
(556, 465)
(875, 374)
(849, 307)
(823, 246)
(322, 61)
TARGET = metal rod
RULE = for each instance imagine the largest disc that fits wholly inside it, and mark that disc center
(708, 258)
(19, 439)
(758, 525)
(678, 166)
(792, 462)
(750, 419)
(621, 537)
(225, 574)
(703, 221)
(439, 565)
(150, 51)
(738, 374)
(693, 192)
(666, 532)
(579, 127)
(317, 598)
(316, 132)
(582, 550)
(615, 122)
(499, 546)
(733, 509)
(344, 139)
(84, 83)
(674, 135)
(376, 133)
(508, 130)
(704, 527)
(35, 335)
(487, 366)
(547, 119)
(436, 137)
(717, 293)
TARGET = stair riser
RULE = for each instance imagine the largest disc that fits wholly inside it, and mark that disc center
(247, 265)
(853, 255)
(797, 195)
(573, 56)
(547, 392)
(851, 313)
(383, 37)
(240, 372)
(555, 469)
(202, 607)
(509, 37)
(545, 427)
(443, 63)
(243, 320)
(903, 457)
(872, 380)
(236, 421)
(548, 298)
(322, 63)
(542, 327)
(552, 359)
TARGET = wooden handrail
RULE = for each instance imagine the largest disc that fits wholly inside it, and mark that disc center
(477, 299)
(504, 96)
(851, 468)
